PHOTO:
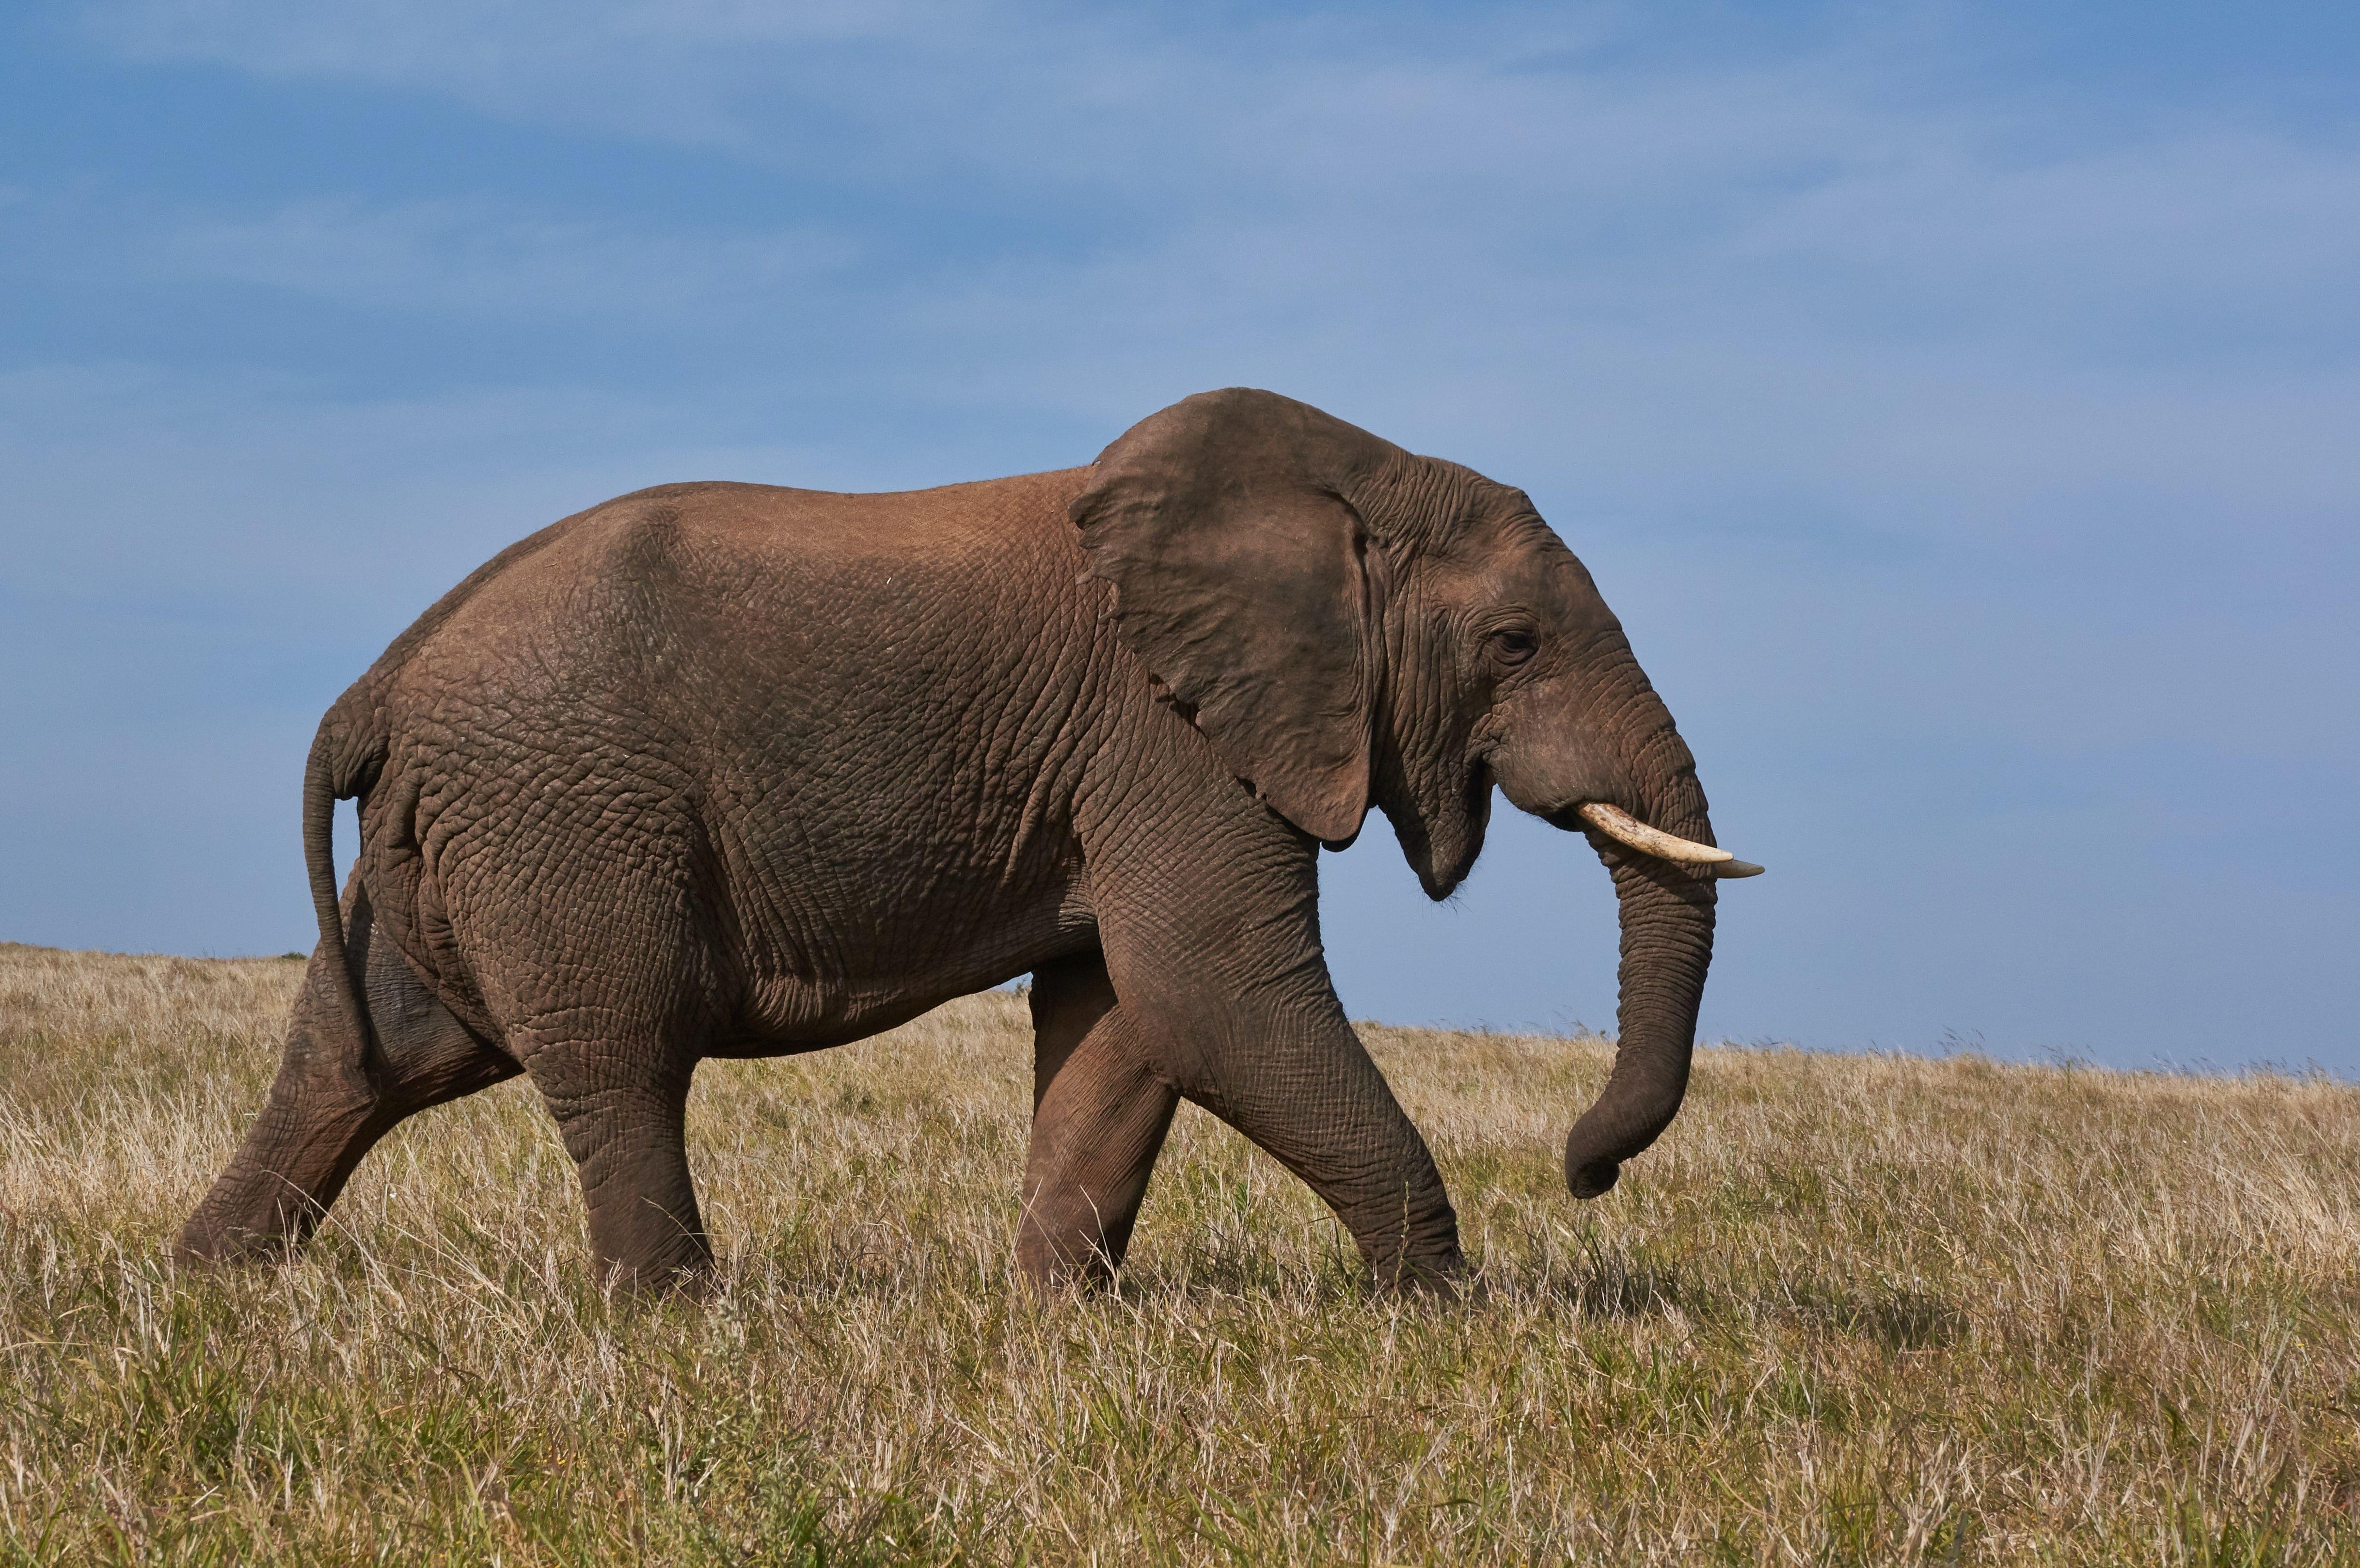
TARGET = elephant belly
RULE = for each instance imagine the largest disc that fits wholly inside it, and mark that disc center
(751, 962)
(898, 938)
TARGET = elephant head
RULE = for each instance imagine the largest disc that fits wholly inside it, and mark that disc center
(1350, 625)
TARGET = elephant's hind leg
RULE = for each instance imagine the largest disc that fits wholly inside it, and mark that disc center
(1099, 1117)
(323, 1115)
(620, 1097)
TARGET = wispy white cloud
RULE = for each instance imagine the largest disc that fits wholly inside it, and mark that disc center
(476, 257)
(1781, 197)
(1748, 282)
(694, 74)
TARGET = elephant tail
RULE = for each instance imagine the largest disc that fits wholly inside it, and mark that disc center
(347, 756)
(348, 753)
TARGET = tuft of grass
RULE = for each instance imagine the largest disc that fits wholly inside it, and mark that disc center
(1851, 1310)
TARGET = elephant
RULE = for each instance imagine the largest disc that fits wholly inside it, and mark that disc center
(736, 771)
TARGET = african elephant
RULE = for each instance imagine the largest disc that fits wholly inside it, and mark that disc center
(730, 770)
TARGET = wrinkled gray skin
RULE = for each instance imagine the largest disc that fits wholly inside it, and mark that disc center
(728, 770)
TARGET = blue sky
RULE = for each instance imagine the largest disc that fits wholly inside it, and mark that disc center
(1959, 404)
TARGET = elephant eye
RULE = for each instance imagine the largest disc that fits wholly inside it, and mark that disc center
(1514, 646)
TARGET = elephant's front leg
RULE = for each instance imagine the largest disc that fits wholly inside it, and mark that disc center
(1298, 1082)
(1214, 948)
(1100, 1116)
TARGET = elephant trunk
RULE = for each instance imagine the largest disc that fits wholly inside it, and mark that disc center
(1667, 918)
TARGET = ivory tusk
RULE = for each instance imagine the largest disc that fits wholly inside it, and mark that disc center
(1625, 828)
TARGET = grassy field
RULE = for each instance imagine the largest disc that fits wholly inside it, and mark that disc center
(1853, 1309)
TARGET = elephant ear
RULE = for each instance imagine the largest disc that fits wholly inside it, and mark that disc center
(1242, 583)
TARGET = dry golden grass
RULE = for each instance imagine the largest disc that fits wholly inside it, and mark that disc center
(1853, 1309)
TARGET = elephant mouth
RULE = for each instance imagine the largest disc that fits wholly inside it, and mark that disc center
(1630, 832)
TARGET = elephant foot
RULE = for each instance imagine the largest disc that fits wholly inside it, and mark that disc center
(1053, 1270)
(1441, 1277)
(295, 1160)
(693, 1279)
(208, 1247)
